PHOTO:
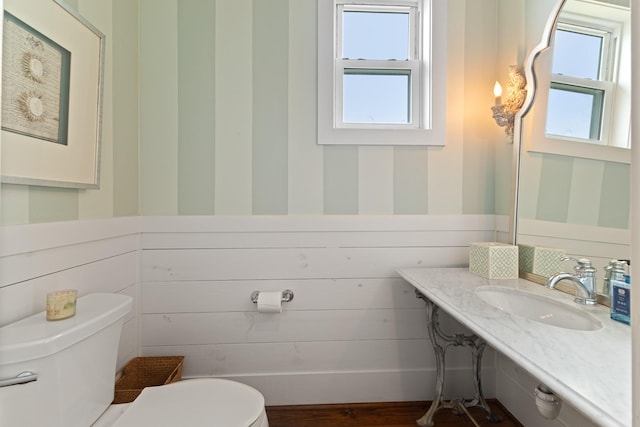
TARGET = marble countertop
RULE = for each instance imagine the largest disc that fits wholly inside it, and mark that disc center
(591, 370)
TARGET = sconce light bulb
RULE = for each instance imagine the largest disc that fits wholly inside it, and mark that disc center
(497, 89)
(497, 92)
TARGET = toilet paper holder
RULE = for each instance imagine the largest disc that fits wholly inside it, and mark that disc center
(287, 295)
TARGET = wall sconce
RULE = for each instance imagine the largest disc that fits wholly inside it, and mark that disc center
(504, 114)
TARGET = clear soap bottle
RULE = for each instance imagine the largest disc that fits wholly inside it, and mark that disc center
(614, 270)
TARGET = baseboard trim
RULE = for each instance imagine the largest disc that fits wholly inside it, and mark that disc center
(362, 387)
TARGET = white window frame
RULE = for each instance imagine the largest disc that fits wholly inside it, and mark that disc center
(411, 65)
(610, 33)
(427, 124)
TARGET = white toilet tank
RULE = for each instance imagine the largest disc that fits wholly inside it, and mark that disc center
(69, 364)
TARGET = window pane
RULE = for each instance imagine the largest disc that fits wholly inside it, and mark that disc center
(574, 113)
(577, 54)
(375, 98)
(375, 35)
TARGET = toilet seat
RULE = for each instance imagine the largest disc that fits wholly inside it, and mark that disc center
(203, 402)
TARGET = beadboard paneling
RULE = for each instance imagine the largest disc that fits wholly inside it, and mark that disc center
(306, 356)
(313, 294)
(599, 244)
(352, 323)
(313, 239)
(360, 386)
(301, 223)
(240, 359)
(292, 263)
(31, 251)
(288, 326)
(90, 256)
(18, 239)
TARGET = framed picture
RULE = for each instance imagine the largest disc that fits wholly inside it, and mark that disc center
(52, 78)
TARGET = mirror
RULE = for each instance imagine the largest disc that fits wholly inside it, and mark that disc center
(583, 97)
(574, 195)
(589, 95)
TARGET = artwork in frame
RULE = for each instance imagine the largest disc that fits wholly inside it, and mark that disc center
(52, 78)
(35, 83)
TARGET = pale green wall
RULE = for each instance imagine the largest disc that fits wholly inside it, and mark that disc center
(576, 191)
(118, 193)
(210, 108)
(126, 108)
(228, 117)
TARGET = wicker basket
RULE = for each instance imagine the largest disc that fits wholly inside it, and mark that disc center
(143, 372)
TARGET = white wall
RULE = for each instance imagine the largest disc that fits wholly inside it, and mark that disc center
(354, 332)
(353, 325)
(90, 256)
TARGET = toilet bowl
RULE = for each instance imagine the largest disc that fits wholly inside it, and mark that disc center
(202, 402)
(61, 374)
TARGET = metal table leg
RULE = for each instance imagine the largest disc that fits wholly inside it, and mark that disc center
(440, 342)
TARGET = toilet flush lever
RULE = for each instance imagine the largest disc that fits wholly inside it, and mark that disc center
(21, 378)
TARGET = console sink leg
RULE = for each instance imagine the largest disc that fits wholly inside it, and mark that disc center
(440, 342)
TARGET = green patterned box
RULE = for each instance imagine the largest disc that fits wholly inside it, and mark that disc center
(540, 260)
(493, 260)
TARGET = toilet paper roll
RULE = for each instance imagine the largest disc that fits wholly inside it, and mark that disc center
(270, 302)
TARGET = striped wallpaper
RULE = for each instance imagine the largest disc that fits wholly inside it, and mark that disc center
(575, 190)
(228, 125)
(220, 97)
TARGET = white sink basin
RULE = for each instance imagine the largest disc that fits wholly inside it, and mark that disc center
(538, 308)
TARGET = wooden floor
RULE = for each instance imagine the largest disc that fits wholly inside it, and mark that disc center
(400, 414)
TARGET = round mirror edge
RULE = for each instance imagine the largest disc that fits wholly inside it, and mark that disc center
(530, 75)
(529, 66)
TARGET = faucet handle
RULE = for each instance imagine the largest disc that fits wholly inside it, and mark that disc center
(579, 261)
(583, 265)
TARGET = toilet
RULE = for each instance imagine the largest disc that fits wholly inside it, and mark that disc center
(61, 374)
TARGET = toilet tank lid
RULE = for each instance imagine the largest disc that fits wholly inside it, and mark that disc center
(35, 337)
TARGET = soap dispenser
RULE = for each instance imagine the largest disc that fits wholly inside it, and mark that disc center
(620, 297)
(615, 270)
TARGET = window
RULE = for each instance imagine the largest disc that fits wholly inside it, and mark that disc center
(583, 81)
(377, 64)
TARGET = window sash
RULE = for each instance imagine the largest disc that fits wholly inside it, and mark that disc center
(414, 33)
(603, 94)
(412, 66)
(608, 31)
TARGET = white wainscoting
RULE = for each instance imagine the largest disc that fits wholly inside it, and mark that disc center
(354, 331)
(599, 244)
(90, 256)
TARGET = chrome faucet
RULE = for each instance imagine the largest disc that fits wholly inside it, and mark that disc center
(584, 280)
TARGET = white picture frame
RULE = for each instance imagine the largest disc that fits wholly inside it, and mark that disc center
(73, 161)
